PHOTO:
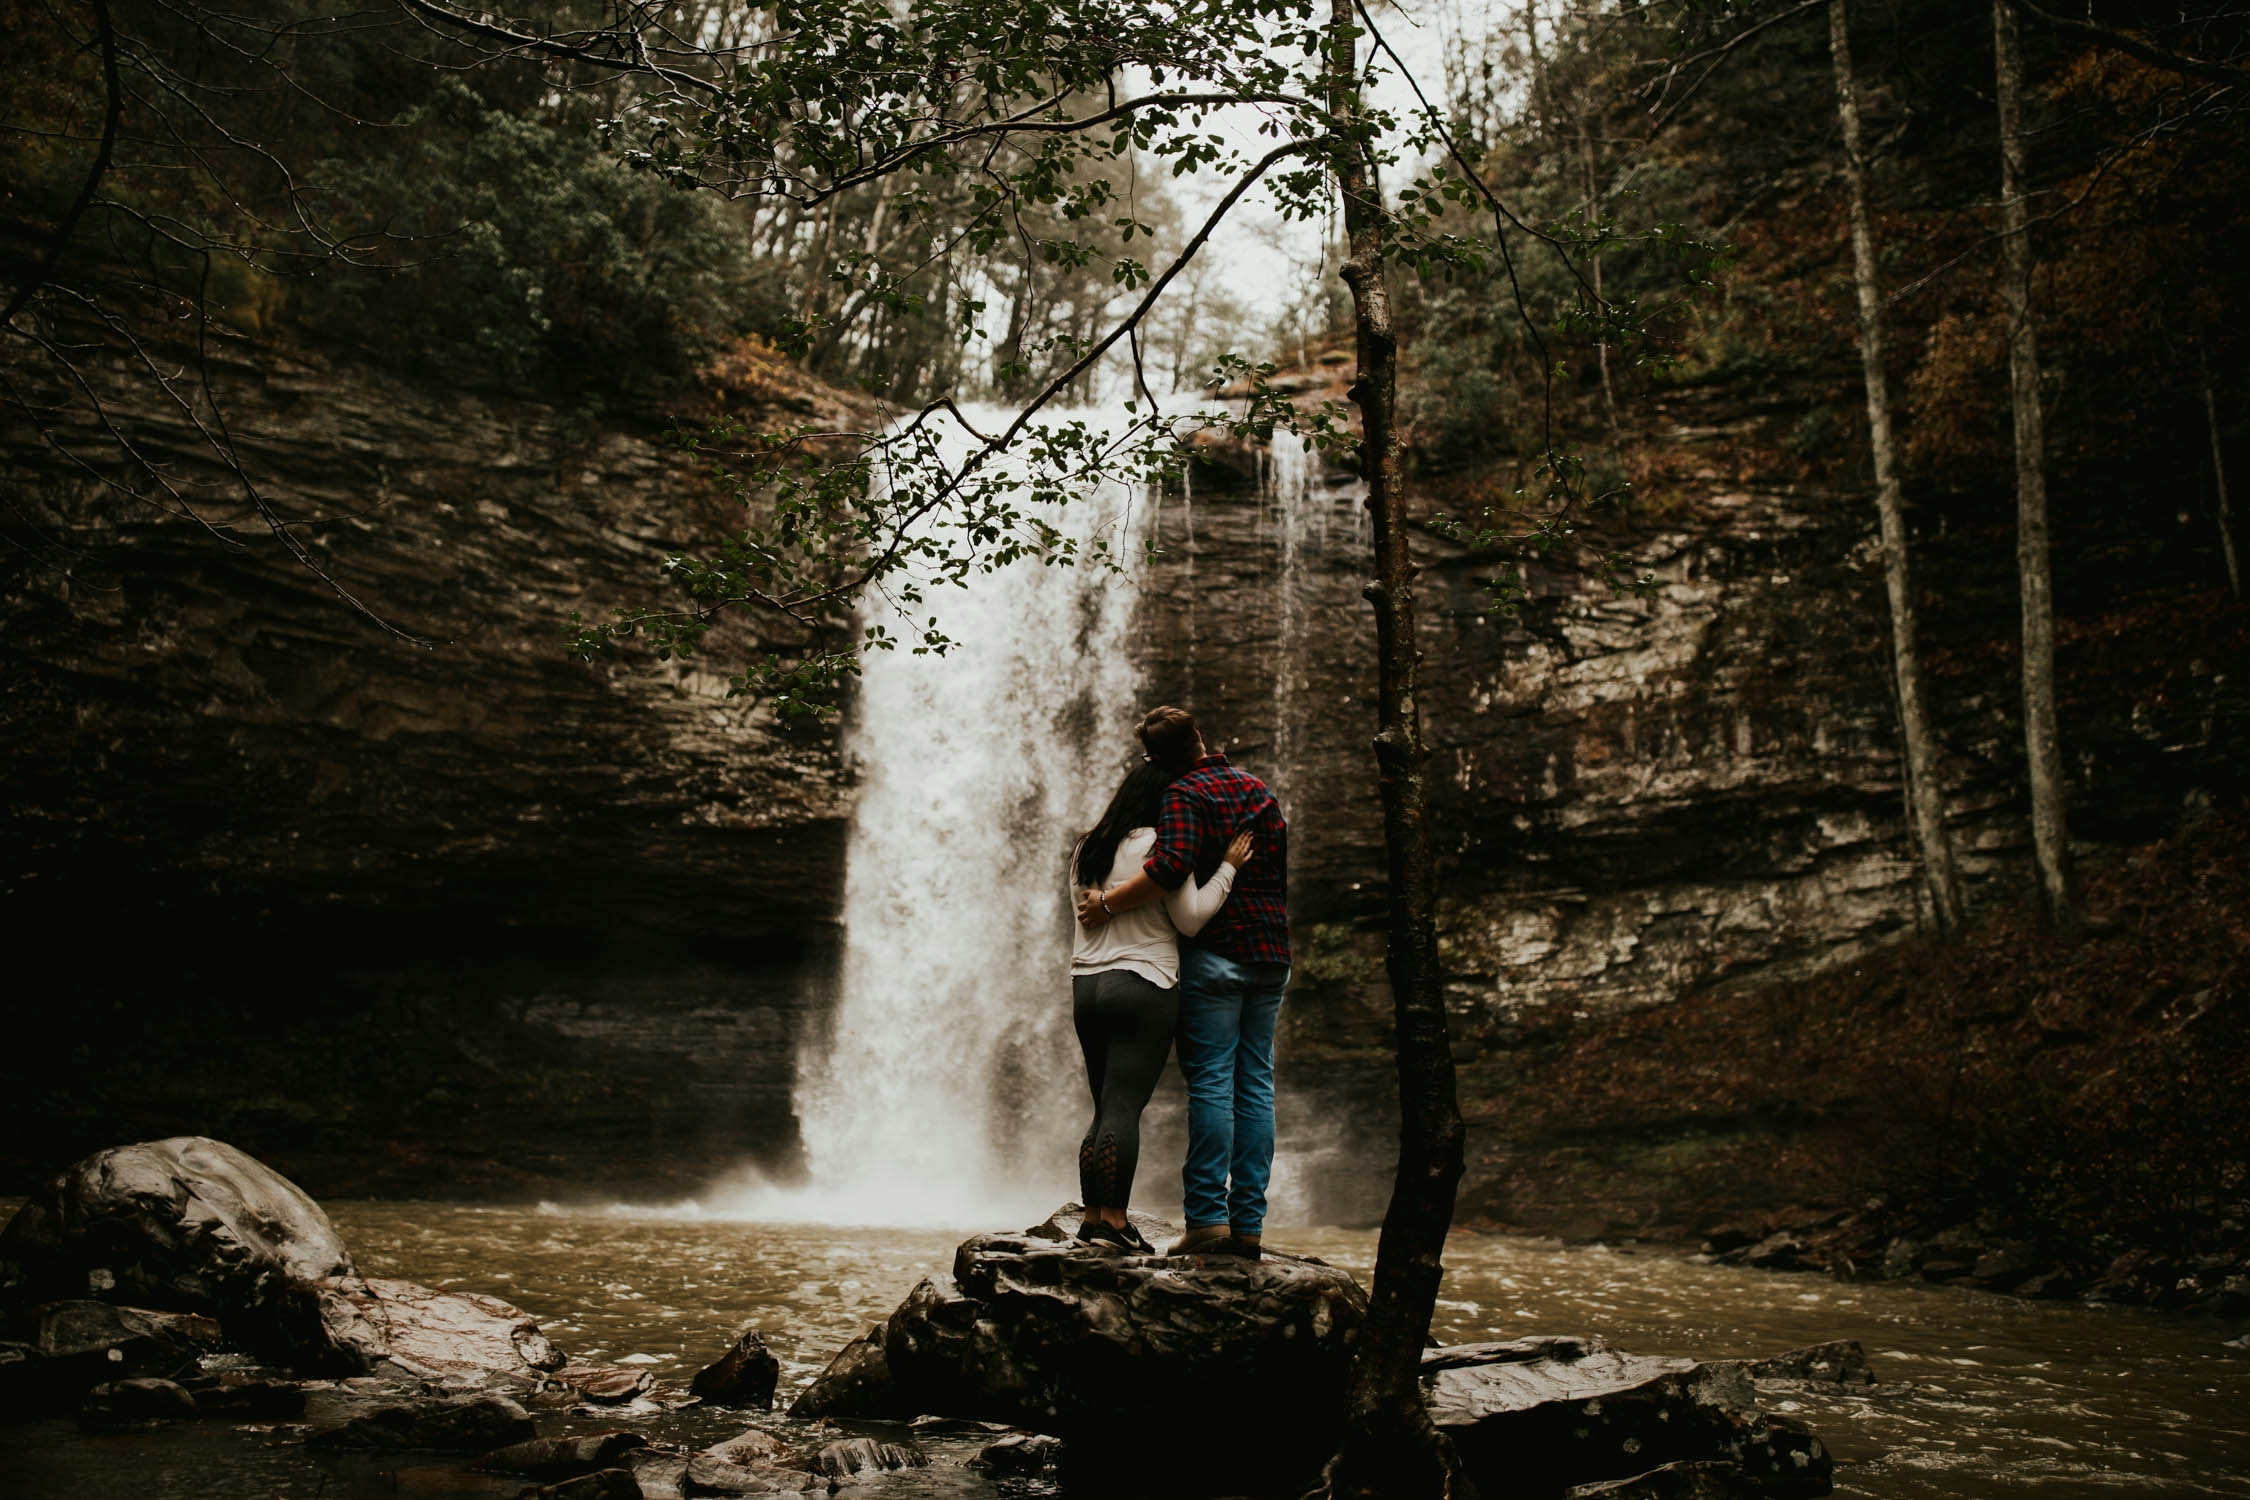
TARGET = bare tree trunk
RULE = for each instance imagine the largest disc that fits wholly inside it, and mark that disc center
(1390, 1446)
(2042, 740)
(1925, 796)
(1586, 156)
(2219, 477)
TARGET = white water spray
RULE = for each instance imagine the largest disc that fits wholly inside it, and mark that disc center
(946, 1088)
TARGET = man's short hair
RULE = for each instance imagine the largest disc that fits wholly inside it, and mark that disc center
(1169, 736)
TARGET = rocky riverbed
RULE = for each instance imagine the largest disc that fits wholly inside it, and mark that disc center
(1970, 1396)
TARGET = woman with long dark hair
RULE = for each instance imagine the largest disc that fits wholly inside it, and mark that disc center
(1125, 992)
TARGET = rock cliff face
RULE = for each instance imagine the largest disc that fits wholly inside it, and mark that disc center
(551, 926)
(458, 866)
(1636, 797)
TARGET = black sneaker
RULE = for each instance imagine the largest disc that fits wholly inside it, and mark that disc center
(1136, 1239)
(1095, 1232)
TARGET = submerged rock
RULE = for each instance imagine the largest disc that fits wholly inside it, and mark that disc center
(186, 1224)
(743, 1376)
(452, 1423)
(125, 1403)
(1020, 1453)
(1838, 1362)
(861, 1455)
(1534, 1417)
(1152, 1358)
(78, 1344)
(563, 1457)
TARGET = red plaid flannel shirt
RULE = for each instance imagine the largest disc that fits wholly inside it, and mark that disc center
(1203, 811)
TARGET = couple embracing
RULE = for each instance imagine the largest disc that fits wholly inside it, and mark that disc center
(1182, 934)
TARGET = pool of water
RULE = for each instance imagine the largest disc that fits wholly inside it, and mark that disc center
(1982, 1396)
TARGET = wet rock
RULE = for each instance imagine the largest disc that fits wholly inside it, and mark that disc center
(706, 1475)
(866, 1455)
(1677, 1481)
(453, 1424)
(1727, 1238)
(1533, 1417)
(127, 1403)
(20, 1375)
(1778, 1252)
(350, 1325)
(1840, 1361)
(1901, 1257)
(1020, 1453)
(743, 1376)
(857, 1383)
(660, 1472)
(752, 1448)
(1153, 1358)
(606, 1385)
(2006, 1267)
(187, 1224)
(244, 1397)
(565, 1457)
(80, 1344)
(602, 1484)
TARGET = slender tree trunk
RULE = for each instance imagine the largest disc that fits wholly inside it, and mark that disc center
(1925, 797)
(1588, 159)
(1390, 1446)
(2219, 477)
(2042, 740)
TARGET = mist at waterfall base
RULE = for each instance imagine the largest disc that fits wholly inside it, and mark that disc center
(944, 1087)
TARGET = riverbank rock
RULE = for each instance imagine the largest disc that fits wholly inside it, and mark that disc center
(470, 1423)
(184, 1224)
(602, 1484)
(567, 1457)
(743, 1376)
(1535, 1417)
(353, 1324)
(131, 1403)
(1143, 1358)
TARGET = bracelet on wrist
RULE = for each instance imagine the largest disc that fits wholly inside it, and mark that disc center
(1103, 898)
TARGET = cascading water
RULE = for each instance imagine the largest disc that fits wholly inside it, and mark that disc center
(945, 1087)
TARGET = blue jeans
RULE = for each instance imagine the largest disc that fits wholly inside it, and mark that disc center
(1227, 1015)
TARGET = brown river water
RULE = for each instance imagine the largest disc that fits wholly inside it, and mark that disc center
(1982, 1396)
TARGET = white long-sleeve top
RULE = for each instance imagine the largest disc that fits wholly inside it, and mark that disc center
(1147, 938)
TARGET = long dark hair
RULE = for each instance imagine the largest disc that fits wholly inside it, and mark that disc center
(1140, 797)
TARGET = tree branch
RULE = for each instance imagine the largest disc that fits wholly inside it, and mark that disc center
(112, 113)
(2223, 74)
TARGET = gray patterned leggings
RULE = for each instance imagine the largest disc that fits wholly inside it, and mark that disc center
(1125, 1025)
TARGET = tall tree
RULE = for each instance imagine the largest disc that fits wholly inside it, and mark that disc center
(1925, 794)
(1390, 1444)
(2042, 738)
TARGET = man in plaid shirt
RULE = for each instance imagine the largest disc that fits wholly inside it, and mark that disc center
(1232, 974)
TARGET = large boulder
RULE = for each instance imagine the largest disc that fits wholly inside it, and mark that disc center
(1147, 1359)
(188, 1224)
(1536, 1417)
(351, 1324)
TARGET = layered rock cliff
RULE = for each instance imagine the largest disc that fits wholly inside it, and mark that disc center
(541, 927)
(514, 911)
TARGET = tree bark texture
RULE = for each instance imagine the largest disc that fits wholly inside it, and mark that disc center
(2042, 740)
(1925, 794)
(1390, 1446)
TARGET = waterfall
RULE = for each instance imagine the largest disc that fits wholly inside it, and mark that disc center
(945, 1088)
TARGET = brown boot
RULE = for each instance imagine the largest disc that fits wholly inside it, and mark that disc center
(1201, 1241)
(1247, 1246)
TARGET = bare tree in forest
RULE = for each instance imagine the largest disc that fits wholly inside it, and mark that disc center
(1925, 794)
(2219, 478)
(2042, 738)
